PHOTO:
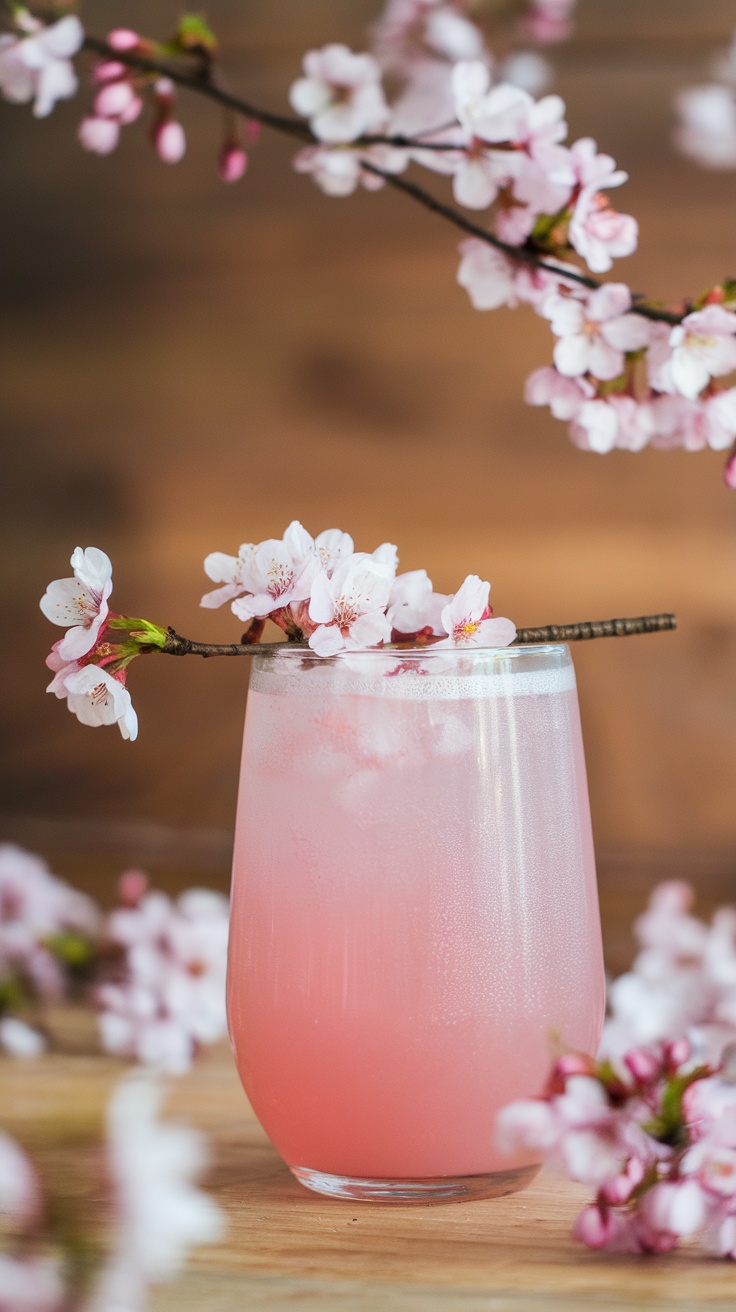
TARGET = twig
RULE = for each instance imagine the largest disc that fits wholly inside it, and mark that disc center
(176, 645)
(202, 84)
(596, 629)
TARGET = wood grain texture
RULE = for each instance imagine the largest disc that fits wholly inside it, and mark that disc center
(287, 1248)
(187, 366)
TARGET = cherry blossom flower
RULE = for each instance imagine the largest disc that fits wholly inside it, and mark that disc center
(20, 1040)
(703, 347)
(349, 608)
(597, 232)
(490, 115)
(338, 172)
(231, 571)
(341, 94)
(595, 334)
(280, 572)
(414, 607)
(487, 275)
(452, 34)
(80, 604)
(160, 1214)
(564, 396)
(171, 997)
(95, 696)
(467, 618)
(31, 1284)
(37, 65)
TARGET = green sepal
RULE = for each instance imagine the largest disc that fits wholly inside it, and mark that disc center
(73, 949)
(612, 385)
(194, 36)
(143, 632)
(669, 1125)
(14, 995)
(550, 230)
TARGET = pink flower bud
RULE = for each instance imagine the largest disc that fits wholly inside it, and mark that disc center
(109, 71)
(132, 887)
(135, 105)
(251, 131)
(232, 163)
(729, 472)
(676, 1053)
(643, 1064)
(619, 1190)
(100, 135)
(165, 92)
(122, 38)
(595, 1228)
(170, 141)
(571, 1063)
(114, 99)
(672, 895)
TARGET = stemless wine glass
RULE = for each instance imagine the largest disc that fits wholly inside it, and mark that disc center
(415, 928)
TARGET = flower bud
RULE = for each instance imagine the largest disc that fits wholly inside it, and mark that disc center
(115, 100)
(643, 1064)
(251, 131)
(232, 163)
(123, 38)
(169, 141)
(132, 887)
(100, 135)
(109, 71)
(165, 92)
(677, 1052)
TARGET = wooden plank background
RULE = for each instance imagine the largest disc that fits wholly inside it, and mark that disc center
(288, 1248)
(186, 366)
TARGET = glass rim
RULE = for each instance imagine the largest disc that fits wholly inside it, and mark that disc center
(292, 651)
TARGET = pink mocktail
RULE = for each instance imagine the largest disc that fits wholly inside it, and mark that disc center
(415, 920)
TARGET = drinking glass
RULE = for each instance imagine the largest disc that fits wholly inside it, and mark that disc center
(415, 930)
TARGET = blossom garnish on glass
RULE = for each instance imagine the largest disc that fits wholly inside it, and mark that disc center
(414, 918)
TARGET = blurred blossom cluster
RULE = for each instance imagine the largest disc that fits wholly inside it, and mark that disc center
(154, 968)
(47, 933)
(429, 93)
(151, 1210)
(651, 1123)
(682, 983)
(168, 997)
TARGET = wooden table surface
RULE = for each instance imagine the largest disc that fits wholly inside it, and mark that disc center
(287, 1248)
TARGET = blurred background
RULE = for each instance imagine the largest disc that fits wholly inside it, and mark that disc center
(187, 366)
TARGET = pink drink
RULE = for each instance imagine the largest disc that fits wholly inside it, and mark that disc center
(415, 918)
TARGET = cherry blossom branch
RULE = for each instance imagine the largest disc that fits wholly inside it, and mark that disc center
(201, 83)
(176, 645)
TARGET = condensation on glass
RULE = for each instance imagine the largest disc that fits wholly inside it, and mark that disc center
(415, 930)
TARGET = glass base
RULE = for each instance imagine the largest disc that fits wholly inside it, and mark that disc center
(433, 1189)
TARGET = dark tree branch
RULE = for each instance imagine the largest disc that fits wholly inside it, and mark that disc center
(176, 645)
(197, 78)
